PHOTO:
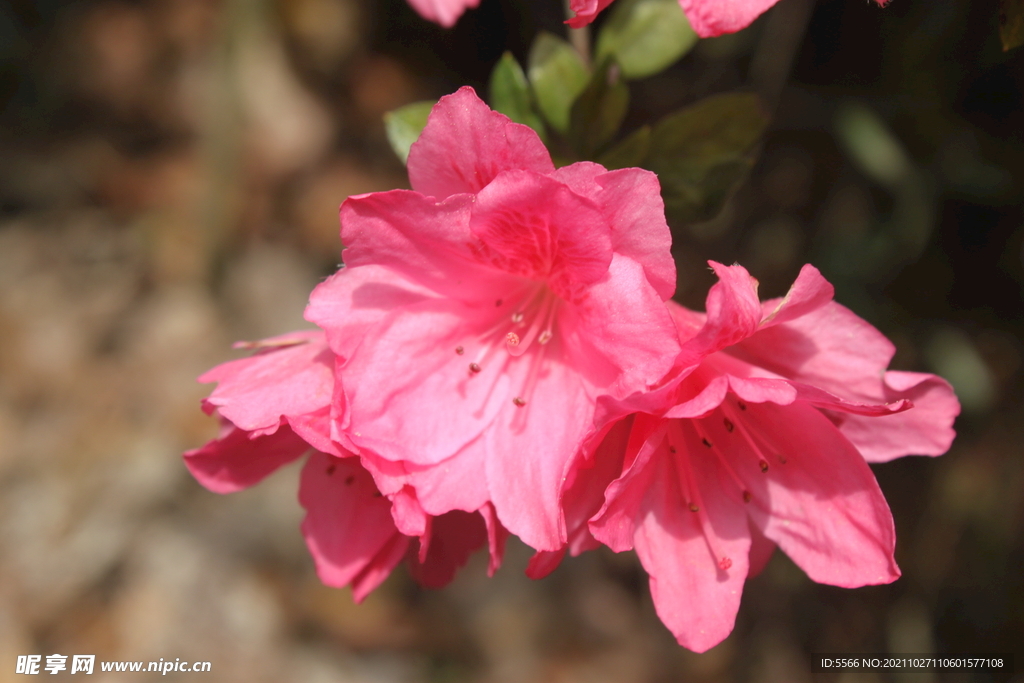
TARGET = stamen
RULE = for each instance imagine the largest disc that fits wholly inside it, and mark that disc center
(747, 497)
(763, 464)
(512, 339)
(672, 449)
(517, 317)
(519, 401)
(728, 425)
(544, 337)
(706, 442)
(724, 564)
(498, 303)
(782, 459)
(742, 405)
(721, 459)
(459, 350)
(474, 368)
(694, 507)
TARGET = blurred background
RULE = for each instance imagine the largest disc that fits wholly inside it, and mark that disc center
(170, 172)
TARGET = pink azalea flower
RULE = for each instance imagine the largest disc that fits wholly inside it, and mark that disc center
(480, 318)
(275, 407)
(443, 12)
(761, 439)
(708, 18)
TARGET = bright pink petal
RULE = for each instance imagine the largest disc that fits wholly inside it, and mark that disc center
(586, 11)
(927, 429)
(829, 348)
(255, 393)
(810, 291)
(315, 429)
(497, 534)
(454, 537)
(380, 567)
(530, 449)
(411, 396)
(693, 540)
(416, 239)
(458, 483)
(443, 12)
(465, 145)
(809, 490)
(348, 525)
(234, 461)
(533, 226)
(733, 314)
(623, 328)
(714, 17)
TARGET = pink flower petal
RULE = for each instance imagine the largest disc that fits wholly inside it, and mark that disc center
(810, 491)
(234, 461)
(734, 314)
(454, 537)
(927, 429)
(810, 291)
(711, 18)
(348, 525)
(255, 393)
(443, 12)
(693, 540)
(488, 143)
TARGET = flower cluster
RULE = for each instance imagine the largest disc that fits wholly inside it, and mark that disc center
(499, 355)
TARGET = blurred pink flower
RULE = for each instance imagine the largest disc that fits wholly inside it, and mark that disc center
(480, 318)
(707, 17)
(274, 407)
(443, 12)
(761, 438)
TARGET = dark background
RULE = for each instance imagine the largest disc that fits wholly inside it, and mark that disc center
(170, 172)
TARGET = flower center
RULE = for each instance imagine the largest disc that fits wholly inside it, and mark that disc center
(530, 325)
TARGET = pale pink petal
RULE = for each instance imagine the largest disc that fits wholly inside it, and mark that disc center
(443, 12)
(544, 562)
(692, 538)
(714, 17)
(927, 429)
(234, 461)
(255, 393)
(810, 291)
(315, 429)
(348, 523)
(454, 537)
(465, 145)
(408, 514)
(809, 490)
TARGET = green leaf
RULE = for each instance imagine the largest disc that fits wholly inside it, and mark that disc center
(702, 151)
(511, 95)
(1011, 23)
(628, 152)
(404, 125)
(558, 75)
(645, 36)
(598, 112)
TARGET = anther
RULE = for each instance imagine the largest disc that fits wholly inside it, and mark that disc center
(706, 442)
(694, 507)
(512, 339)
(517, 317)
(728, 425)
(498, 302)
(350, 479)
(742, 405)
(782, 459)
(330, 470)
(519, 401)
(763, 464)
(671, 449)
(747, 497)
(459, 350)
(724, 564)
(544, 337)
(474, 367)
